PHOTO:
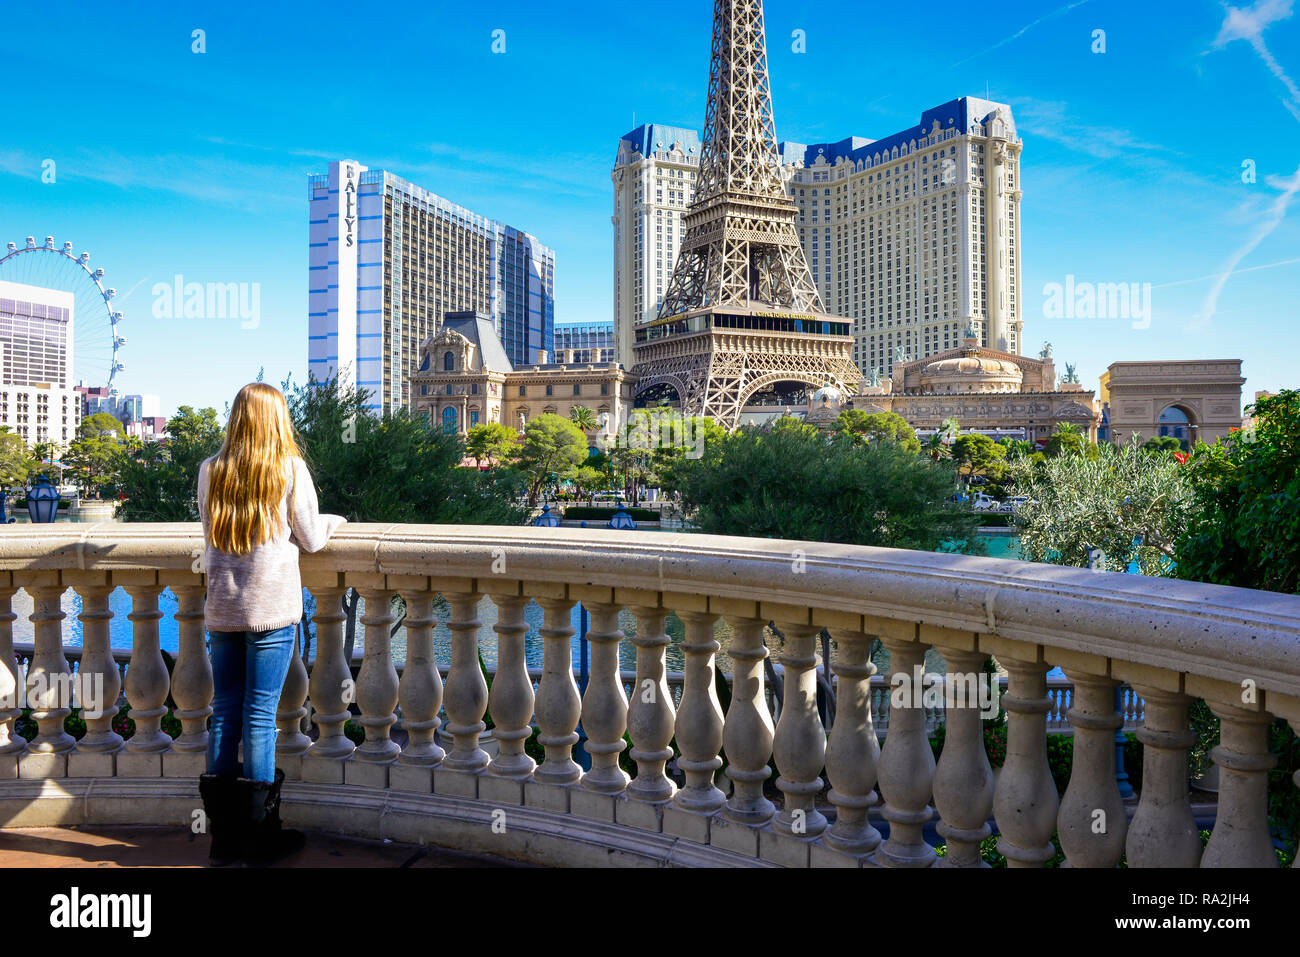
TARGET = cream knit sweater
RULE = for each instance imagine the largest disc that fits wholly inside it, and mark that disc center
(262, 590)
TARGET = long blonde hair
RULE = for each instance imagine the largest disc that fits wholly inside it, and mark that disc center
(247, 479)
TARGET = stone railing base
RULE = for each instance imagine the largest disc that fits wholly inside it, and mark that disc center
(527, 834)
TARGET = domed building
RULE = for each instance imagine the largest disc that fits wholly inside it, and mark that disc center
(1000, 394)
(824, 406)
(971, 373)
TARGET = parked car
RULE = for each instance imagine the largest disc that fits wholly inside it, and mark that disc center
(985, 503)
(1015, 502)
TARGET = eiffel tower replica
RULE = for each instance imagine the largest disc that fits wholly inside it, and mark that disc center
(742, 311)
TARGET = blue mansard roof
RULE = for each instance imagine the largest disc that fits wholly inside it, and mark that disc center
(960, 114)
(651, 138)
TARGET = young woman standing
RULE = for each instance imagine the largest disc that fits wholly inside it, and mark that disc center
(259, 509)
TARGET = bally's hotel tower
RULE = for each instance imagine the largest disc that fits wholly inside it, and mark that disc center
(388, 260)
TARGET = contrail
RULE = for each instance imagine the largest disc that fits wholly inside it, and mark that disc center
(1022, 31)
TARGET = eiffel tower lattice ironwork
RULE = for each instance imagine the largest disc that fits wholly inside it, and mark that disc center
(742, 309)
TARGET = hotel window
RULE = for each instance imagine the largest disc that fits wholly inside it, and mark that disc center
(523, 391)
(550, 390)
(577, 389)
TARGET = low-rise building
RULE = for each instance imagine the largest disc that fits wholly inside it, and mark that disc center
(997, 393)
(465, 379)
(1194, 400)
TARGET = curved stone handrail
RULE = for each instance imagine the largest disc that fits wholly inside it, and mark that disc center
(1172, 641)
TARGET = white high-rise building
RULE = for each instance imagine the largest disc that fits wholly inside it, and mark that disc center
(915, 237)
(37, 400)
(654, 183)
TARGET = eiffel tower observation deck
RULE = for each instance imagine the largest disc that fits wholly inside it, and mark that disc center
(742, 312)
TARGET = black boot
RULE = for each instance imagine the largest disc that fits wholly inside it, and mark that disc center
(224, 816)
(265, 840)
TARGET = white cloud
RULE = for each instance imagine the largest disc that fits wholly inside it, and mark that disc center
(1249, 24)
(1289, 188)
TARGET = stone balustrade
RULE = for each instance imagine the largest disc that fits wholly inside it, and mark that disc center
(1170, 642)
(1060, 690)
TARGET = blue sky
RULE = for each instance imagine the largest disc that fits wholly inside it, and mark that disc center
(170, 162)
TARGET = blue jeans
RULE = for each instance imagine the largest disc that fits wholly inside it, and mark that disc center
(248, 672)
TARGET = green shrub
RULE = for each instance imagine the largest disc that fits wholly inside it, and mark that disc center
(354, 732)
(586, 512)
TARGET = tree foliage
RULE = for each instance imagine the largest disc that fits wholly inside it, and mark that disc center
(875, 426)
(160, 479)
(1130, 505)
(976, 453)
(1246, 529)
(394, 467)
(491, 440)
(94, 459)
(553, 447)
(792, 482)
(17, 462)
(1067, 439)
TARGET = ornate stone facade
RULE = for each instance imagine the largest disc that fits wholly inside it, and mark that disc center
(465, 379)
(986, 390)
(1200, 397)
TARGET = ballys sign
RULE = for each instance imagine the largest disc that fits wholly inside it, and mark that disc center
(350, 207)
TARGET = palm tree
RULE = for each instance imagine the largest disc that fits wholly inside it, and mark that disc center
(935, 447)
(584, 418)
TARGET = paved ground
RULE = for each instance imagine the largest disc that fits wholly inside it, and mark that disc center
(94, 846)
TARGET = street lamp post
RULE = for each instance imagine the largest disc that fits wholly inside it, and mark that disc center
(43, 501)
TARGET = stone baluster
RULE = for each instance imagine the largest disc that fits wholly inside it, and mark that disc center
(649, 722)
(748, 731)
(699, 723)
(963, 780)
(49, 681)
(331, 686)
(192, 684)
(799, 744)
(420, 689)
(377, 678)
(98, 675)
(853, 751)
(1091, 823)
(511, 698)
(604, 704)
(1025, 801)
(146, 679)
(1163, 832)
(11, 677)
(906, 770)
(466, 693)
(1240, 837)
(290, 742)
(559, 706)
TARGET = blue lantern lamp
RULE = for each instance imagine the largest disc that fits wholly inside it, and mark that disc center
(43, 501)
(546, 519)
(621, 519)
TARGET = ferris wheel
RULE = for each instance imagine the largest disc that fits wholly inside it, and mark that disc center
(96, 343)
